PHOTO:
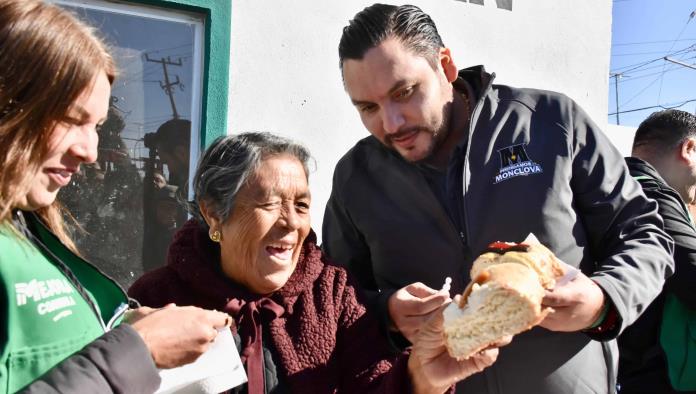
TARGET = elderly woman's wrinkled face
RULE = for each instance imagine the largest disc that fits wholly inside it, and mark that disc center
(262, 238)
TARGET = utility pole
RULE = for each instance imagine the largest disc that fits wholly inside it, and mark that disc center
(167, 86)
(616, 77)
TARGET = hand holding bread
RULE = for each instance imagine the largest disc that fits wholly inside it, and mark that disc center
(432, 369)
(504, 298)
(411, 306)
(577, 305)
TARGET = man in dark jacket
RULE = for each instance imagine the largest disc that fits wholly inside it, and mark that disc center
(454, 163)
(664, 162)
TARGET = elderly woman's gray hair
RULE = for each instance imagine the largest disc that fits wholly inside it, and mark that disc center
(227, 164)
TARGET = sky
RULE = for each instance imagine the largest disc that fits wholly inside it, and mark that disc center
(643, 33)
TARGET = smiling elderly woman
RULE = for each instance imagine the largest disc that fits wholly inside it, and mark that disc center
(249, 251)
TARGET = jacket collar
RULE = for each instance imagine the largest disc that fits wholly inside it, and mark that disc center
(196, 260)
(477, 78)
(639, 167)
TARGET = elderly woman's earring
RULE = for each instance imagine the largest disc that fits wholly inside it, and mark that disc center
(215, 236)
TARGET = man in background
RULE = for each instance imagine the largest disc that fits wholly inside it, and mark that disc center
(664, 162)
(163, 211)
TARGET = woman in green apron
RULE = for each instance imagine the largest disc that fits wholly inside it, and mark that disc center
(59, 315)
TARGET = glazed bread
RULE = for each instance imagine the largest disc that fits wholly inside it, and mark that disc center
(535, 256)
(504, 298)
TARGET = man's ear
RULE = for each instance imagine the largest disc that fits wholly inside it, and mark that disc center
(687, 151)
(210, 218)
(447, 64)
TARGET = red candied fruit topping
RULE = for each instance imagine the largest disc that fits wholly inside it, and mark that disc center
(504, 247)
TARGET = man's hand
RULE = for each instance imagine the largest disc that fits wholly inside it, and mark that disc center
(412, 305)
(577, 305)
(431, 368)
(177, 335)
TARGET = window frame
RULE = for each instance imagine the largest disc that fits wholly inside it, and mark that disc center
(217, 19)
(216, 61)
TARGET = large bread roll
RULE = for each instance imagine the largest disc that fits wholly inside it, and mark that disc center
(504, 297)
(535, 256)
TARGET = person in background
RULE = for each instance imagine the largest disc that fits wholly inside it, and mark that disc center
(173, 146)
(663, 161)
(158, 180)
(302, 327)
(171, 141)
(59, 315)
(455, 162)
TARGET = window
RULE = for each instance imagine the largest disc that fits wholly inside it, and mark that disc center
(131, 201)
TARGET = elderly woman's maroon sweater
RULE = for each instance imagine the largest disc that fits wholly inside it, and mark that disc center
(325, 340)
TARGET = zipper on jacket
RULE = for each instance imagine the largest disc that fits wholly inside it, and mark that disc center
(472, 124)
(120, 311)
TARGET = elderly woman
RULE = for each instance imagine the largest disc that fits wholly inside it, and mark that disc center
(249, 251)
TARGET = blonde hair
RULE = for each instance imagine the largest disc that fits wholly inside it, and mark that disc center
(47, 59)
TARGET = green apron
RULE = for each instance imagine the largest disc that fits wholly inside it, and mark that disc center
(52, 303)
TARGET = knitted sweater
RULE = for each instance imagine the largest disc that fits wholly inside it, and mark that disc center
(325, 340)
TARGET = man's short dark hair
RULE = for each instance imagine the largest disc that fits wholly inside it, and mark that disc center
(407, 23)
(664, 130)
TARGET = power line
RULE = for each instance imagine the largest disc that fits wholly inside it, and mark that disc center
(680, 63)
(637, 53)
(691, 16)
(634, 78)
(651, 42)
(654, 106)
(630, 67)
(654, 67)
(629, 79)
(641, 92)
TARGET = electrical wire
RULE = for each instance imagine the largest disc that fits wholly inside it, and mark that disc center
(645, 63)
(654, 106)
(691, 16)
(650, 42)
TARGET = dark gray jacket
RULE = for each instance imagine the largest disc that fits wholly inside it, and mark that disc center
(642, 366)
(116, 362)
(533, 162)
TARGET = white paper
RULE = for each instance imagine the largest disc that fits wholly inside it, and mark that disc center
(570, 271)
(216, 370)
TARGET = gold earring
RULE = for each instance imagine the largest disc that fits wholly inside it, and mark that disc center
(215, 236)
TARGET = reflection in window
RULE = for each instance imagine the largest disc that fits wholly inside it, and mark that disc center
(129, 202)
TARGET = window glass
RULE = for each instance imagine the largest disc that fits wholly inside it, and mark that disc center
(129, 203)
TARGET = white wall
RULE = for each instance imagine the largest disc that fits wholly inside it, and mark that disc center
(284, 74)
(621, 137)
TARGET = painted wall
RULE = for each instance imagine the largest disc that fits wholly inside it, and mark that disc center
(284, 74)
(621, 137)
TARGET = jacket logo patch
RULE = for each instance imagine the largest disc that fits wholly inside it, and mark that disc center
(514, 162)
(49, 296)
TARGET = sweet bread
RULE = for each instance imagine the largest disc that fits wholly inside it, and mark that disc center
(504, 297)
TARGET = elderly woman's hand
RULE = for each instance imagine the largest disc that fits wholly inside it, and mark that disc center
(431, 368)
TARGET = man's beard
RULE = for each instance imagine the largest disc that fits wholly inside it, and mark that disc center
(439, 135)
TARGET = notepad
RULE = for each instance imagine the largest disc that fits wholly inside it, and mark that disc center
(216, 370)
